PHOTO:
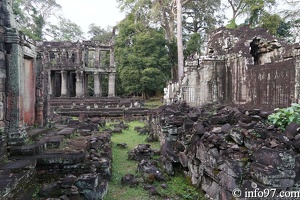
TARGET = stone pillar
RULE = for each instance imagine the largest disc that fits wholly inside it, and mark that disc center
(97, 57)
(50, 92)
(64, 81)
(79, 84)
(112, 74)
(111, 84)
(97, 85)
(297, 82)
(112, 58)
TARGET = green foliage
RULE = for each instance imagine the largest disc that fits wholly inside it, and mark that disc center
(284, 116)
(97, 33)
(198, 19)
(121, 165)
(283, 30)
(178, 186)
(275, 25)
(34, 15)
(152, 81)
(256, 8)
(142, 57)
(193, 45)
(231, 24)
(66, 30)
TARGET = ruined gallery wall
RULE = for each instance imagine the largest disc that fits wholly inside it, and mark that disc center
(206, 83)
(245, 67)
(17, 77)
(2, 74)
(69, 66)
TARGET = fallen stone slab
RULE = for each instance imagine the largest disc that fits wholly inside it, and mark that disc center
(66, 132)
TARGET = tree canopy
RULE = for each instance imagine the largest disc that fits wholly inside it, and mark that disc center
(141, 53)
(34, 17)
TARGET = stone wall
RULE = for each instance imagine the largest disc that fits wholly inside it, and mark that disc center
(226, 149)
(3, 21)
(17, 78)
(243, 66)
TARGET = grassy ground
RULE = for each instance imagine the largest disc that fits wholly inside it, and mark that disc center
(153, 103)
(178, 187)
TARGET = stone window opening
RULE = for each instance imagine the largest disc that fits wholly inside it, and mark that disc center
(73, 57)
(254, 50)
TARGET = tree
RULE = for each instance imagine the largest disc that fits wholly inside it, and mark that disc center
(137, 48)
(250, 8)
(65, 31)
(97, 33)
(33, 16)
(292, 17)
(275, 25)
(199, 19)
(152, 81)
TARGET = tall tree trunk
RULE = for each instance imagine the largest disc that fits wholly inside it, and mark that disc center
(179, 40)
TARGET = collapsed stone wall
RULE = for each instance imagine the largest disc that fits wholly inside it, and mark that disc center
(243, 66)
(222, 149)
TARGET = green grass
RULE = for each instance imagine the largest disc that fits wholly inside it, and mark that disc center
(153, 103)
(178, 186)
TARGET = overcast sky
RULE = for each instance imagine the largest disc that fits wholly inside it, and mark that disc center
(85, 12)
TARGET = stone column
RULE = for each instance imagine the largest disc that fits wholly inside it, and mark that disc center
(97, 85)
(64, 80)
(111, 84)
(50, 92)
(297, 82)
(79, 84)
(112, 57)
(97, 57)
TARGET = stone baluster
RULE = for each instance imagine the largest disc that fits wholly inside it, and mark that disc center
(64, 80)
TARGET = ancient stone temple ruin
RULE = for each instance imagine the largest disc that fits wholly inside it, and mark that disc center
(219, 148)
(243, 66)
(35, 73)
(70, 66)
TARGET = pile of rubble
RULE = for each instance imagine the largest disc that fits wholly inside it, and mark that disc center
(222, 148)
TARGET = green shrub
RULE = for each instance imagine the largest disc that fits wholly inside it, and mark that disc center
(284, 116)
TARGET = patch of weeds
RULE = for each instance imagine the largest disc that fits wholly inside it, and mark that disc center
(29, 141)
(36, 192)
(284, 116)
(4, 160)
(178, 187)
(74, 135)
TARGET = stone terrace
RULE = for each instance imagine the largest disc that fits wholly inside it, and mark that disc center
(73, 155)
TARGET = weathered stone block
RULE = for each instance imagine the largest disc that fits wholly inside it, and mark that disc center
(270, 176)
(87, 181)
(277, 158)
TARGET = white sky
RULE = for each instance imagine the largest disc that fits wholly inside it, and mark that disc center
(103, 13)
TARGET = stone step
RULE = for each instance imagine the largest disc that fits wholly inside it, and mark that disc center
(54, 142)
(35, 133)
(17, 166)
(15, 177)
(66, 132)
(33, 149)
